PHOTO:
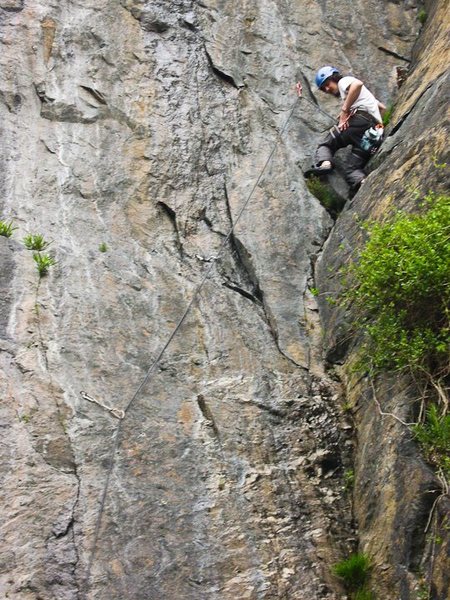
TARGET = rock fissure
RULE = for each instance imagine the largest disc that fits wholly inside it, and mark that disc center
(172, 215)
(394, 54)
(207, 414)
(236, 288)
(221, 74)
(242, 259)
(98, 96)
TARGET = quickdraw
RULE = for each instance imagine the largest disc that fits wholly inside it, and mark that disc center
(119, 414)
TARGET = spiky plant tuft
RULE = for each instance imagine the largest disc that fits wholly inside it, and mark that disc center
(354, 571)
(43, 263)
(6, 229)
(35, 242)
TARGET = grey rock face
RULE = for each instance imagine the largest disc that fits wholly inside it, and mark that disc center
(146, 127)
(12, 5)
(6, 278)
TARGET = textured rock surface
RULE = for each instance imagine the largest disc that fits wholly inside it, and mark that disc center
(394, 490)
(145, 126)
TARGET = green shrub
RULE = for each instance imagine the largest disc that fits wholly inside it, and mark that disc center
(354, 572)
(43, 263)
(423, 592)
(422, 16)
(103, 247)
(364, 594)
(327, 197)
(6, 229)
(401, 291)
(349, 479)
(434, 437)
(388, 114)
(35, 242)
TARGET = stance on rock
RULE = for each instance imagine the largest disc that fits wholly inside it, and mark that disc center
(360, 126)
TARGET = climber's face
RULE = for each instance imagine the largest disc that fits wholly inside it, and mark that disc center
(330, 87)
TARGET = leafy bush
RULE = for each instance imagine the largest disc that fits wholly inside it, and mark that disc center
(422, 16)
(103, 247)
(354, 572)
(402, 292)
(6, 229)
(327, 197)
(35, 242)
(434, 437)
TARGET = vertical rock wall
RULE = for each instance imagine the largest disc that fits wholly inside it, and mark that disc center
(401, 507)
(143, 127)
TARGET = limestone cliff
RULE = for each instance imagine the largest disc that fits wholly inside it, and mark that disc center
(134, 132)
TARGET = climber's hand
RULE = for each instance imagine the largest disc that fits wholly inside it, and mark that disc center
(343, 121)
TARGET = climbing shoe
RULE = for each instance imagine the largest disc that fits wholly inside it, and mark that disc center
(322, 169)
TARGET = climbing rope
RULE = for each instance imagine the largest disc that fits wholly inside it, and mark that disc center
(122, 414)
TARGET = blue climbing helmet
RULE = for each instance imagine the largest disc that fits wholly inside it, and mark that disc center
(323, 74)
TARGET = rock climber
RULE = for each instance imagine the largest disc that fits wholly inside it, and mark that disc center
(360, 112)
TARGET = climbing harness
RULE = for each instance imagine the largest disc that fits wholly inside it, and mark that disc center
(122, 414)
(119, 414)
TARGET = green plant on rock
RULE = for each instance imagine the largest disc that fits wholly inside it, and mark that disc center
(364, 594)
(349, 479)
(438, 164)
(387, 115)
(35, 242)
(103, 247)
(434, 437)
(354, 572)
(422, 16)
(327, 197)
(6, 229)
(43, 263)
(401, 296)
(422, 591)
(401, 293)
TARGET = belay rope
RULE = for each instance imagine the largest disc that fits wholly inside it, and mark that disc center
(121, 414)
